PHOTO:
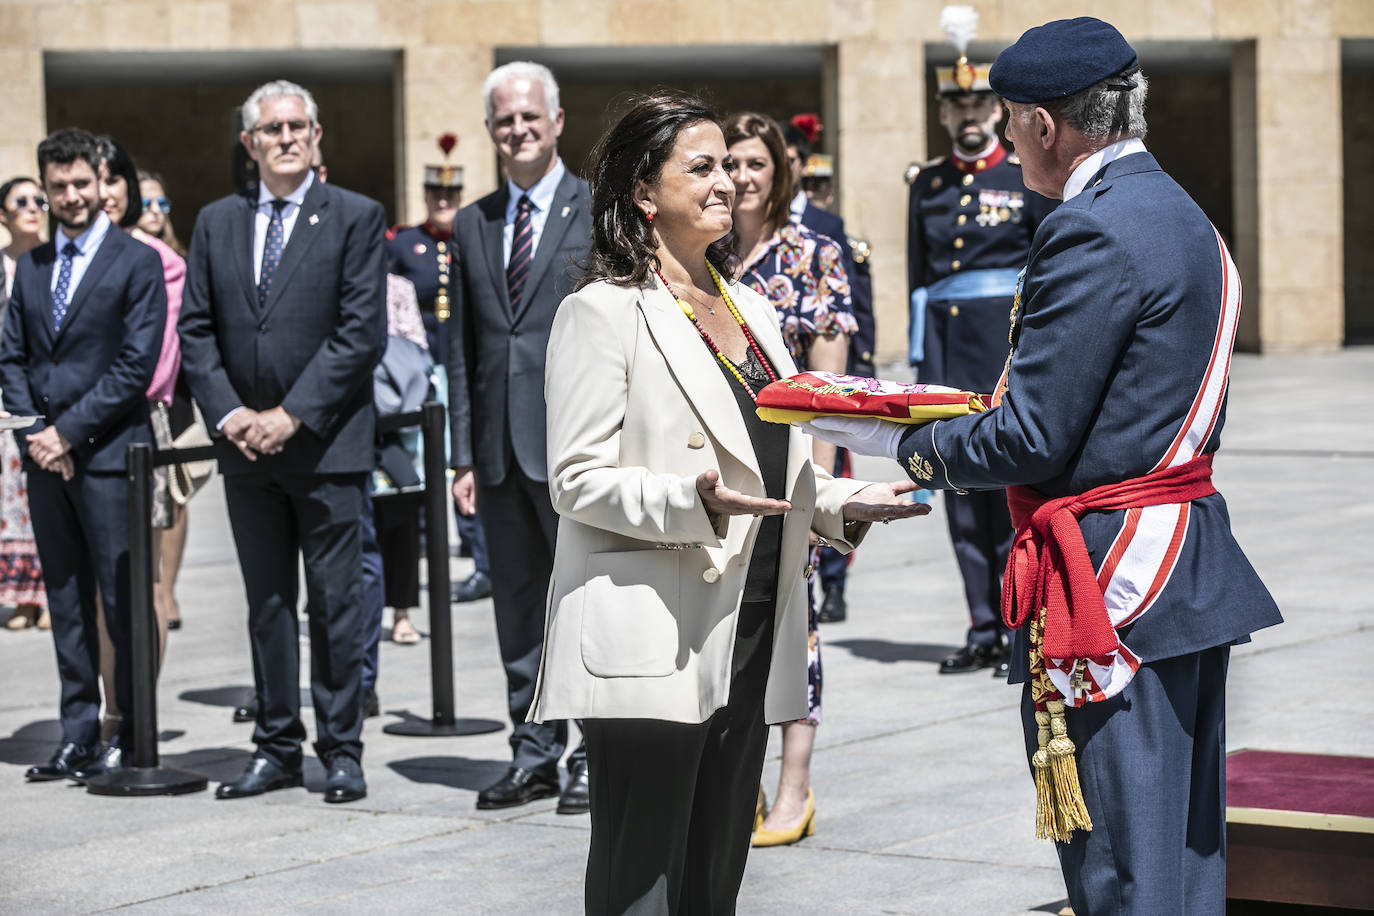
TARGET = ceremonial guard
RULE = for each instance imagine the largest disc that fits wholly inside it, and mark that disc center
(423, 255)
(971, 221)
(1127, 588)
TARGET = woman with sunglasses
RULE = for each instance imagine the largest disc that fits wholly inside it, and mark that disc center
(156, 219)
(23, 213)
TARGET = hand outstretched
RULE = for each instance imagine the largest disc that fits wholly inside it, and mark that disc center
(720, 500)
(882, 502)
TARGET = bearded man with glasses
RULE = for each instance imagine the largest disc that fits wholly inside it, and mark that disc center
(283, 319)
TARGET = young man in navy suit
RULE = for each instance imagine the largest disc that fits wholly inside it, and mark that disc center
(1128, 587)
(80, 344)
(283, 320)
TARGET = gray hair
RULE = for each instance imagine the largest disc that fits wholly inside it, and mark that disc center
(1106, 114)
(521, 69)
(252, 109)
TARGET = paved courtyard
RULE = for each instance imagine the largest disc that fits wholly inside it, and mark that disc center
(924, 804)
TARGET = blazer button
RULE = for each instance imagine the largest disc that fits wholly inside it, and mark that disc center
(696, 440)
(711, 575)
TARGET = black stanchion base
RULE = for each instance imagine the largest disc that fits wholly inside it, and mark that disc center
(146, 781)
(414, 727)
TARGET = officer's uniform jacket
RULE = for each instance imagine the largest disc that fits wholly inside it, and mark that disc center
(423, 257)
(1126, 320)
(966, 216)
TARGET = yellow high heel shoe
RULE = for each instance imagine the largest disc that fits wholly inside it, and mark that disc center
(807, 827)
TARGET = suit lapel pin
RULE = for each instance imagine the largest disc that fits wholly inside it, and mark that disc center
(314, 219)
(566, 211)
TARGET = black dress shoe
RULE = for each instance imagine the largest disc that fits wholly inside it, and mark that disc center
(833, 607)
(248, 712)
(371, 705)
(1002, 671)
(474, 588)
(576, 797)
(109, 760)
(345, 782)
(973, 657)
(69, 758)
(262, 775)
(517, 787)
(174, 624)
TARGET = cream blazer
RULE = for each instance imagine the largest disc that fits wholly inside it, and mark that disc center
(645, 594)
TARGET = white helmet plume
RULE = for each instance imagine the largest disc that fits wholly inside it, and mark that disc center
(960, 24)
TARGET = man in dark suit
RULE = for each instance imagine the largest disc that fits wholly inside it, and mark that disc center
(81, 341)
(283, 320)
(517, 251)
(1128, 587)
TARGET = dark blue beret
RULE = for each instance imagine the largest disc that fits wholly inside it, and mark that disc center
(1059, 58)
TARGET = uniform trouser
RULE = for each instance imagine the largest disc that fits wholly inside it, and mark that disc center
(1152, 766)
(980, 529)
(374, 594)
(672, 805)
(274, 518)
(521, 527)
(81, 529)
(473, 541)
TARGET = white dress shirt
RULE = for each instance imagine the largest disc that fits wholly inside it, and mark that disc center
(87, 244)
(1090, 166)
(263, 218)
(541, 195)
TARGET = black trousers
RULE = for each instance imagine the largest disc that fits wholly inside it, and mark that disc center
(1152, 766)
(81, 528)
(672, 804)
(274, 518)
(980, 529)
(398, 537)
(521, 527)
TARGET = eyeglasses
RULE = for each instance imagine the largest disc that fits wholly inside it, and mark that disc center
(163, 204)
(39, 202)
(273, 128)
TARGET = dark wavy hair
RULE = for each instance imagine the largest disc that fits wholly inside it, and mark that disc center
(121, 165)
(635, 149)
(13, 183)
(749, 125)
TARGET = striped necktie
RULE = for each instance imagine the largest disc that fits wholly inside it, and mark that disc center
(521, 251)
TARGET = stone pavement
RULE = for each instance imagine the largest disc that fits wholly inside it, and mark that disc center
(924, 802)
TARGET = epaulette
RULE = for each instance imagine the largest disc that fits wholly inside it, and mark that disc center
(395, 231)
(860, 249)
(915, 168)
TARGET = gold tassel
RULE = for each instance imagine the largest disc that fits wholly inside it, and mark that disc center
(1071, 812)
(1040, 763)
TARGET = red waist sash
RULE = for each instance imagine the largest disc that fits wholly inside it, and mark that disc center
(1049, 567)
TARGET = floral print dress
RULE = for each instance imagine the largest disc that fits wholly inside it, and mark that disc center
(802, 274)
(21, 576)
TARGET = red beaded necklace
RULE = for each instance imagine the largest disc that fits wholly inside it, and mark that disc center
(730, 304)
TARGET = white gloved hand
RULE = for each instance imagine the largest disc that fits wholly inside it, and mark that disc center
(861, 435)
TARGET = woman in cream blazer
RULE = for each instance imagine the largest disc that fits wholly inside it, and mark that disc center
(655, 472)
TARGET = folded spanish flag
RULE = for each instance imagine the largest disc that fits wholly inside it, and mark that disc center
(825, 394)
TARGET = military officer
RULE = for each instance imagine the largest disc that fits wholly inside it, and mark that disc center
(1128, 588)
(970, 224)
(423, 255)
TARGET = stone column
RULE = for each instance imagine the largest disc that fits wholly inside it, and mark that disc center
(881, 130)
(1301, 302)
(26, 122)
(1245, 191)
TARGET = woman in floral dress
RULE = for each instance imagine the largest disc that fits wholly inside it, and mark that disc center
(803, 275)
(23, 211)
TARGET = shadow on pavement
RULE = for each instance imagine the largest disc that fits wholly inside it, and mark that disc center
(220, 764)
(32, 743)
(230, 696)
(454, 772)
(886, 651)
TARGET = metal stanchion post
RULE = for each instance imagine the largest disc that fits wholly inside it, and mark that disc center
(444, 723)
(144, 776)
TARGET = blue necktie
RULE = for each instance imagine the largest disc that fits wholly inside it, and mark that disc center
(64, 281)
(271, 250)
(521, 251)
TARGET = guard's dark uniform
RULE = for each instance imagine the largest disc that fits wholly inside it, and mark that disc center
(422, 254)
(971, 218)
